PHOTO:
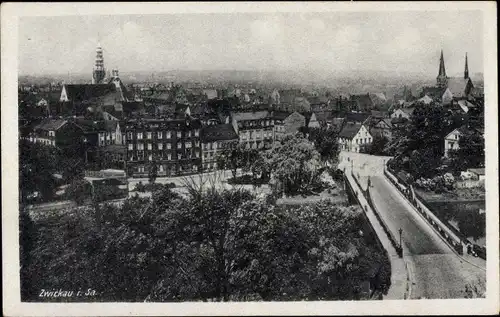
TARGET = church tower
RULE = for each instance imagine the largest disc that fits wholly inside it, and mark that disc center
(466, 71)
(99, 71)
(441, 79)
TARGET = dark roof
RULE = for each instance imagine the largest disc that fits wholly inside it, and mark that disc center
(95, 126)
(114, 148)
(51, 124)
(243, 116)
(218, 132)
(280, 115)
(478, 171)
(349, 130)
(433, 92)
(359, 117)
(363, 101)
(87, 92)
(457, 86)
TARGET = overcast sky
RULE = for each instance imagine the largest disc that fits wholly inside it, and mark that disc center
(391, 41)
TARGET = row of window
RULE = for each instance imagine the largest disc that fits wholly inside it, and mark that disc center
(161, 134)
(159, 146)
(256, 135)
(360, 141)
(171, 169)
(265, 123)
(161, 156)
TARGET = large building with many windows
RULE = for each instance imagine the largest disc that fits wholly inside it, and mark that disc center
(172, 145)
(255, 129)
(215, 139)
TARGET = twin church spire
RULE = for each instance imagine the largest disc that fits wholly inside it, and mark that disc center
(442, 79)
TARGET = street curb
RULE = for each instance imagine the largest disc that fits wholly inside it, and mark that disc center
(434, 229)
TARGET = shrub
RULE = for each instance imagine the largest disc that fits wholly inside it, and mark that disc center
(140, 187)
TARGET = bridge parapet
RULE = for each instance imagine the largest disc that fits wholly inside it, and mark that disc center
(446, 233)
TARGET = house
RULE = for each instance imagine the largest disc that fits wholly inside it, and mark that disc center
(58, 133)
(312, 121)
(403, 113)
(451, 139)
(477, 173)
(425, 100)
(255, 128)
(382, 128)
(361, 102)
(354, 137)
(447, 97)
(465, 105)
(173, 145)
(293, 122)
(214, 139)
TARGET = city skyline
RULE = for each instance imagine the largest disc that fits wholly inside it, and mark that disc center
(323, 42)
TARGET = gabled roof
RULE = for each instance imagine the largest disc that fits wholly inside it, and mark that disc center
(433, 92)
(218, 132)
(378, 114)
(478, 171)
(425, 99)
(280, 115)
(50, 124)
(211, 93)
(363, 101)
(244, 116)
(87, 92)
(359, 117)
(350, 130)
(457, 86)
(96, 126)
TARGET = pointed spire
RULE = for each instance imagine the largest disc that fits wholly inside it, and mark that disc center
(442, 70)
(441, 78)
(466, 71)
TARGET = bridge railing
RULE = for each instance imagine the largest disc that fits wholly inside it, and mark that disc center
(385, 227)
(451, 237)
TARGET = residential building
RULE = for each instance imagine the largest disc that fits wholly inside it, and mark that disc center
(58, 133)
(173, 145)
(312, 121)
(354, 137)
(214, 139)
(403, 113)
(382, 128)
(255, 129)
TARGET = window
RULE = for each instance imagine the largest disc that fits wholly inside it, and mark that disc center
(169, 135)
(149, 135)
(140, 146)
(139, 135)
(179, 156)
(130, 147)
(179, 145)
(160, 134)
(150, 157)
(189, 134)
(140, 169)
(52, 133)
(187, 145)
(160, 146)
(215, 145)
(196, 132)
(161, 168)
(179, 134)
(197, 153)
(129, 135)
(150, 146)
(169, 146)
(197, 143)
(169, 156)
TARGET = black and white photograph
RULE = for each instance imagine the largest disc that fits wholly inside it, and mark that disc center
(251, 154)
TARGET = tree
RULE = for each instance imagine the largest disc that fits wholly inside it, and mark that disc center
(475, 288)
(326, 143)
(153, 172)
(378, 145)
(79, 190)
(37, 164)
(470, 153)
(295, 163)
(231, 158)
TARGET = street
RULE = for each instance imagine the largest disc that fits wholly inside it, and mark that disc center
(437, 271)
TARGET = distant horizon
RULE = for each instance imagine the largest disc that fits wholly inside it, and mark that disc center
(326, 42)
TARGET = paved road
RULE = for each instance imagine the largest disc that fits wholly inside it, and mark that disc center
(437, 271)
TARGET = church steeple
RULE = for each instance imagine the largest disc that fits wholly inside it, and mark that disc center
(466, 71)
(99, 71)
(441, 78)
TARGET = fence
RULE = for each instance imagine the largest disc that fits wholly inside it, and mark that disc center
(448, 234)
(469, 183)
(392, 238)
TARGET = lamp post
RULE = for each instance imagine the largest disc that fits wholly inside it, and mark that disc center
(401, 238)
